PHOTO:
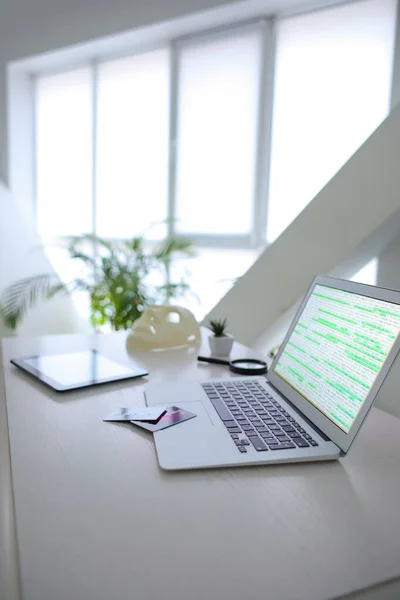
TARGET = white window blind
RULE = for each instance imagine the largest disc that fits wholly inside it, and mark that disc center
(132, 145)
(216, 133)
(64, 153)
(333, 79)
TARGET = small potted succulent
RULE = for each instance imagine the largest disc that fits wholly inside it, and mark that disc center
(221, 342)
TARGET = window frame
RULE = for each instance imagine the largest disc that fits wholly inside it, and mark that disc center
(259, 209)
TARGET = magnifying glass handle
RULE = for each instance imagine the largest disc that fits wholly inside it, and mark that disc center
(217, 361)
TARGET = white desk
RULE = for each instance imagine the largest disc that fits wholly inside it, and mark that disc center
(97, 519)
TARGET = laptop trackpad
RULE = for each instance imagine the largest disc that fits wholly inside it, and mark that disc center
(188, 395)
(192, 443)
(196, 408)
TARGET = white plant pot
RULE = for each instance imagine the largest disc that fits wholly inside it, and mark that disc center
(221, 346)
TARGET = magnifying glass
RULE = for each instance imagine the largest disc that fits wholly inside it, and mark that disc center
(242, 366)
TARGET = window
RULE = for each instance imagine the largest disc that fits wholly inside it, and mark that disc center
(174, 133)
(115, 155)
(132, 144)
(332, 89)
(216, 134)
(202, 138)
(64, 153)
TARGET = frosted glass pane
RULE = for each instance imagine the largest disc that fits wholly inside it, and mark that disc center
(333, 74)
(132, 144)
(217, 121)
(64, 153)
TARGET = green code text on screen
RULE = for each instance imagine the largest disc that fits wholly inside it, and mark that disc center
(337, 349)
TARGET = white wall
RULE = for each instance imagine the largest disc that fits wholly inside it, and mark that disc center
(389, 266)
(22, 256)
(396, 62)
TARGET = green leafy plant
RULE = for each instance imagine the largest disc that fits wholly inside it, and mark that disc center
(218, 327)
(117, 278)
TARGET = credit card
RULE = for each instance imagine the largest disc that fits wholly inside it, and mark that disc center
(173, 416)
(148, 413)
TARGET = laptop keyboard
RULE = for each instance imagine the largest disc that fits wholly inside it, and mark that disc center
(254, 418)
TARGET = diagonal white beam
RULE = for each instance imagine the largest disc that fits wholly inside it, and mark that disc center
(359, 205)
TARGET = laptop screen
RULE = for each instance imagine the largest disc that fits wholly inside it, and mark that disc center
(336, 350)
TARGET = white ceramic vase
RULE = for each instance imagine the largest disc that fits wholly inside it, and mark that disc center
(221, 346)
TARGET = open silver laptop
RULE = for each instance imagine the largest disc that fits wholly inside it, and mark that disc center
(318, 391)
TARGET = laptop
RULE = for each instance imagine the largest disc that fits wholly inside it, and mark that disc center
(314, 399)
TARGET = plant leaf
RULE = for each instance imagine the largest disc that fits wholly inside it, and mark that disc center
(218, 327)
(117, 278)
(25, 293)
(174, 245)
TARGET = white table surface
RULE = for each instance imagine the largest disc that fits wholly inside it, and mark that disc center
(97, 519)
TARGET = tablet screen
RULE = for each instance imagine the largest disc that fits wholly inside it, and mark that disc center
(78, 369)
